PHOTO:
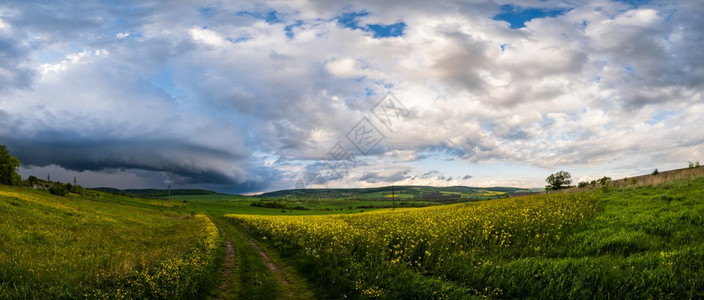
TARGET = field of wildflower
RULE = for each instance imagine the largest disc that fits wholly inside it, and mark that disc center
(93, 247)
(636, 242)
(417, 252)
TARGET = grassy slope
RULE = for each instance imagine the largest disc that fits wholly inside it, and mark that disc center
(647, 242)
(55, 247)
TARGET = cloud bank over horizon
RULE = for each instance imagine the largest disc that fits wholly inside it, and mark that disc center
(247, 97)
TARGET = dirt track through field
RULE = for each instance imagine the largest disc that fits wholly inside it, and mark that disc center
(272, 266)
(228, 265)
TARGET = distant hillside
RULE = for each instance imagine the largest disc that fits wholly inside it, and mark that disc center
(402, 192)
(154, 192)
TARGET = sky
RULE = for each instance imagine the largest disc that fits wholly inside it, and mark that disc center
(248, 97)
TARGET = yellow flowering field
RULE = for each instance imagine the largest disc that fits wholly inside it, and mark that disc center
(421, 245)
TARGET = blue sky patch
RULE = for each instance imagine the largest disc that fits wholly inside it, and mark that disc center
(270, 16)
(384, 31)
(659, 117)
(351, 21)
(289, 28)
(634, 3)
(517, 16)
(239, 39)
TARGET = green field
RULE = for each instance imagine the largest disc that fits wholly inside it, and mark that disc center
(635, 241)
(102, 245)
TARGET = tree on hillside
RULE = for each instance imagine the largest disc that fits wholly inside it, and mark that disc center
(32, 181)
(559, 180)
(8, 168)
(604, 180)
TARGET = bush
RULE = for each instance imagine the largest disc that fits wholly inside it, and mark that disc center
(655, 172)
(582, 184)
(604, 180)
(58, 189)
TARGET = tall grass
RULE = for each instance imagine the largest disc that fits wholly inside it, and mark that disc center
(74, 247)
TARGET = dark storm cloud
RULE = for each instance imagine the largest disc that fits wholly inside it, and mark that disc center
(14, 72)
(154, 155)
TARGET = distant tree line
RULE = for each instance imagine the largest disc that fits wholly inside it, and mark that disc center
(9, 166)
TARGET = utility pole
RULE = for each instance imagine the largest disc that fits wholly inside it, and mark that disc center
(393, 198)
(74, 180)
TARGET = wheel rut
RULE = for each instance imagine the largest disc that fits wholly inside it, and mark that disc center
(228, 265)
(271, 265)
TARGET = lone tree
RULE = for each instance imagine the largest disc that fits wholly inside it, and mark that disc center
(8, 168)
(559, 180)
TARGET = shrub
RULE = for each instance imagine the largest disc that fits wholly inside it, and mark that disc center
(582, 184)
(655, 172)
(58, 189)
(604, 180)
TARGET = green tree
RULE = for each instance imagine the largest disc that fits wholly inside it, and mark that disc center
(604, 180)
(32, 181)
(559, 180)
(8, 168)
(58, 189)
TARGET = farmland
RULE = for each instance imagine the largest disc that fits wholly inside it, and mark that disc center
(630, 240)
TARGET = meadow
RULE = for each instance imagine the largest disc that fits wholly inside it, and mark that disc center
(638, 239)
(632, 242)
(101, 246)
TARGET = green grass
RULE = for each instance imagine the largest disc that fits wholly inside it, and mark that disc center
(88, 246)
(251, 277)
(647, 242)
(219, 205)
(643, 242)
